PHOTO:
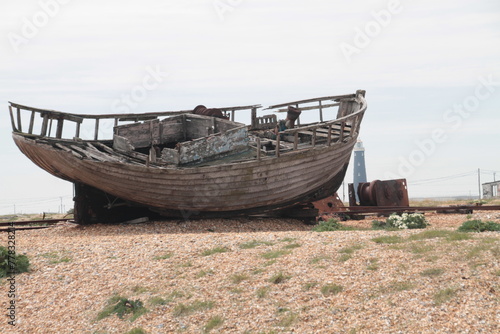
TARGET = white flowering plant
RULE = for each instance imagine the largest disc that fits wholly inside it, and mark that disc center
(407, 221)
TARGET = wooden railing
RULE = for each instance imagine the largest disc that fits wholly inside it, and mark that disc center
(349, 116)
(50, 116)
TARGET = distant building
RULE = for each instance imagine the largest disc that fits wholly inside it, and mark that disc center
(491, 189)
(359, 166)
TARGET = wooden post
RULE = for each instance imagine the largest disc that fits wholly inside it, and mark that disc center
(278, 145)
(13, 123)
(295, 140)
(60, 123)
(232, 115)
(77, 134)
(45, 123)
(19, 125)
(32, 121)
(329, 140)
(258, 148)
(96, 128)
(320, 112)
(50, 127)
(342, 126)
(116, 121)
(313, 140)
(254, 118)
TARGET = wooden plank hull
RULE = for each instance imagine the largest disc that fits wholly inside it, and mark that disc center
(251, 186)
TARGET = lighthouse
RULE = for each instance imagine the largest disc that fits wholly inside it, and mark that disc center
(359, 166)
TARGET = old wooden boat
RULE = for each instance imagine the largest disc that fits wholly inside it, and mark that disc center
(180, 164)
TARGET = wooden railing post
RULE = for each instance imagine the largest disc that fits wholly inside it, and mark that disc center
(60, 123)
(320, 111)
(96, 132)
(329, 140)
(278, 145)
(13, 123)
(258, 148)
(77, 133)
(32, 121)
(45, 123)
(342, 126)
(19, 125)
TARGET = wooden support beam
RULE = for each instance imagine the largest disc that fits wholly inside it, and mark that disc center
(313, 139)
(45, 123)
(278, 146)
(19, 125)
(258, 148)
(13, 123)
(329, 140)
(60, 123)
(295, 140)
(77, 133)
(342, 126)
(32, 121)
(50, 127)
(320, 112)
(96, 131)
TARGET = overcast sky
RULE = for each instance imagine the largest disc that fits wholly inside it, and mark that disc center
(431, 70)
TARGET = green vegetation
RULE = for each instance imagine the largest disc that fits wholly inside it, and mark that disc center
(137, 330)
(203, 273)
(292, 246)
(183, 310)
(122, 306)
(274, 254)
(56, 257)
(444, 295)
(331, 289)
(478, 225)
(255, 243)
(215, 250)
(373, 265)
(139, 289)
(165, 256)
(330, 225)
(262, 292)
(344, 257)
(279, 278)
(15, 264)
(309, 286)
(388, 239)
(288, 320)
(350, 249)
(320, 258)
(238, 278)
(212, 323)
(404, 221)
(432, 272)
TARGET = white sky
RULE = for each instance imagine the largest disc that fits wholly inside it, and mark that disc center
(425, 58)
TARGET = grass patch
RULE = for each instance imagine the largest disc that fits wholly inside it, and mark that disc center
(255, 243)
(444, 295)
(497, 272)
(238, 278)
(292, 246)
(157, 300)
(331, 289)
(183, 310)
(288, 320)
(373, 264)
(388, 239)
(330, 225)
(309, 286)
(344, 257)
(476, 251)
(122, 306)
(274, 254)
(215, 250)
(212, 323)
(351, 249)
(399, 286)
(288, 239)
(55, 258)
(432, 234)
(478, 225)
(15, 264)
(139, 289)
(203, 273)
(137, 330)
(432, 272)
(317, 259)
(165, 256)
(262, 292)
(279, 278)
(420, 248)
